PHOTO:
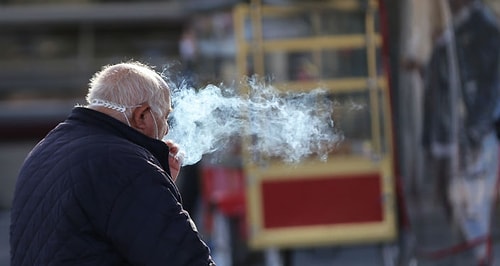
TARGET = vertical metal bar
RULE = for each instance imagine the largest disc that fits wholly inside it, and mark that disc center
(373, 89)
(239, 33)
(317, 58)
(240, 16)
(258, 50)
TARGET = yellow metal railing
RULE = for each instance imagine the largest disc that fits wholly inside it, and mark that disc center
(253, 47)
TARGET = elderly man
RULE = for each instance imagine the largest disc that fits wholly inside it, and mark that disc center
(99, 188)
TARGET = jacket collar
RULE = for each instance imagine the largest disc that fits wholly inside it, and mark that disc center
(104, 122)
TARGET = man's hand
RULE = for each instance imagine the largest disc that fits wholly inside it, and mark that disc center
(174, 159)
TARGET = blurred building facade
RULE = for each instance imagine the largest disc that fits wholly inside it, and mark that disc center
(48, 52)
(50, 49)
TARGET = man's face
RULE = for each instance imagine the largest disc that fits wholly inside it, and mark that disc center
(164, 120)
(160, 121)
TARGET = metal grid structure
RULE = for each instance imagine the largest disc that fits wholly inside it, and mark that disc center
(364, 167)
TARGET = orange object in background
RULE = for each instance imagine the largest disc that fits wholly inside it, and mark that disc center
(223, 189)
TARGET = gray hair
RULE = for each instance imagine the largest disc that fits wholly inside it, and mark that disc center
(130, 84)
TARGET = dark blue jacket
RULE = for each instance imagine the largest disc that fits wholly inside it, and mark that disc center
(97, 192)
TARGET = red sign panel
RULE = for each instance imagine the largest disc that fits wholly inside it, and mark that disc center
(322, 201)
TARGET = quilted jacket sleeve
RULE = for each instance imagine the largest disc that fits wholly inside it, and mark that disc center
(146, 222)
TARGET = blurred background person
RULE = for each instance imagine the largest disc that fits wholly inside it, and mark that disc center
(460, 98)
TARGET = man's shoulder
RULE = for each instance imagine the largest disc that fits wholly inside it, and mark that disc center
(84, 148)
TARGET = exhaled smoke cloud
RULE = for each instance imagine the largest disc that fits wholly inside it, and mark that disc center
(290, 126)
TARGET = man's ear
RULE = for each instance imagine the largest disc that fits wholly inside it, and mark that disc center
(138, 120)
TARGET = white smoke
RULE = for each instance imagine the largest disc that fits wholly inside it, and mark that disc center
(290, 126)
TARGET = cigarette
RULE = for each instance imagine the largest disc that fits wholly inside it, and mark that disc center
(179, 156)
